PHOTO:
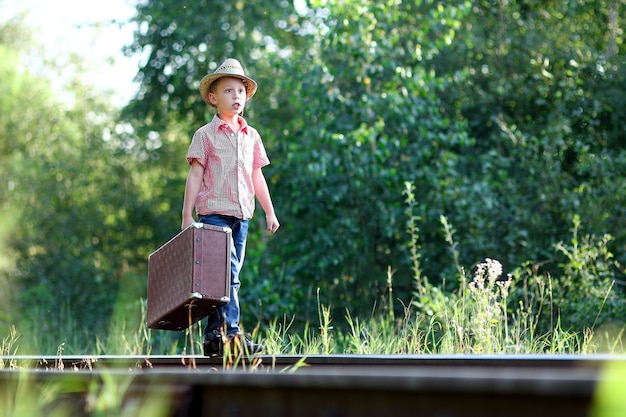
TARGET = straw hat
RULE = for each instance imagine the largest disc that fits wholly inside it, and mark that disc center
(230, 68)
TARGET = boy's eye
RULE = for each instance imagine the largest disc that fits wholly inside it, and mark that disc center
(230, 90)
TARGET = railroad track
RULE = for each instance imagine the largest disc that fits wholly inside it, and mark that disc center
(331, 386)
(280, 362)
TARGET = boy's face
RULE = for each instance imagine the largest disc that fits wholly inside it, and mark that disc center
(228, 94)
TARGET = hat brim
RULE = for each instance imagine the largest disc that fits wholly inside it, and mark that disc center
(207, 80)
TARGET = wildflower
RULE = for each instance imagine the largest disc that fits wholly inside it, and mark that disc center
(494, 269)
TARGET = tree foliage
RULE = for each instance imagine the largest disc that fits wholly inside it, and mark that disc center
(182, 42)
(535, 94)
(372, 122)
(73, 230)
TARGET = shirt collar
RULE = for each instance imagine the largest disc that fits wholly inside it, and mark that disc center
(224, 126)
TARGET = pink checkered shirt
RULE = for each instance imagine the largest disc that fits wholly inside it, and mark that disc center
(228, 159)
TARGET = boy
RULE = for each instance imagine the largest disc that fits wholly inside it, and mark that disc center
(225, 157)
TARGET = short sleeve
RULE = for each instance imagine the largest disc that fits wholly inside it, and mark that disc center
(196, 149)
(260, 155)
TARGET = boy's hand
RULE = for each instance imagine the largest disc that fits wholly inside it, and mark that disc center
(272, 223)
(187, 220)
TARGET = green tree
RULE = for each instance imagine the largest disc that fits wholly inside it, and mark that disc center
(182, 42)
(538, 92)
(73, 227)
(369, 119)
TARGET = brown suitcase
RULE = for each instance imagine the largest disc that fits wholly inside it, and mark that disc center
(189, 277)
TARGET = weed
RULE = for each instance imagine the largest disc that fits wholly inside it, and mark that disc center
(9, 348)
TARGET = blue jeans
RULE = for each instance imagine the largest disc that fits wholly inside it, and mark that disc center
(230, 313)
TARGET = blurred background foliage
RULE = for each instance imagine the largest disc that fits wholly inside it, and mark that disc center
(506, 116)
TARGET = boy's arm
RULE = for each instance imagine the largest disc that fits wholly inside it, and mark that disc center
(262, 192)
(192, 188)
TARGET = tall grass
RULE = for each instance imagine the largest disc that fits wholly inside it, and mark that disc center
(480, 317)
(488, 313)
(476, 319)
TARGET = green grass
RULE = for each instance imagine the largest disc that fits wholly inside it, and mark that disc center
(488, 313)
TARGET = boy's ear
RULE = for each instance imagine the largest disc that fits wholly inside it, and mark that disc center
(212, 99)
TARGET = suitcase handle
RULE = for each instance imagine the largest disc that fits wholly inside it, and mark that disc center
(199, 225)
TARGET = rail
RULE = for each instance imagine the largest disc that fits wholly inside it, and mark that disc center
(329, 386)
